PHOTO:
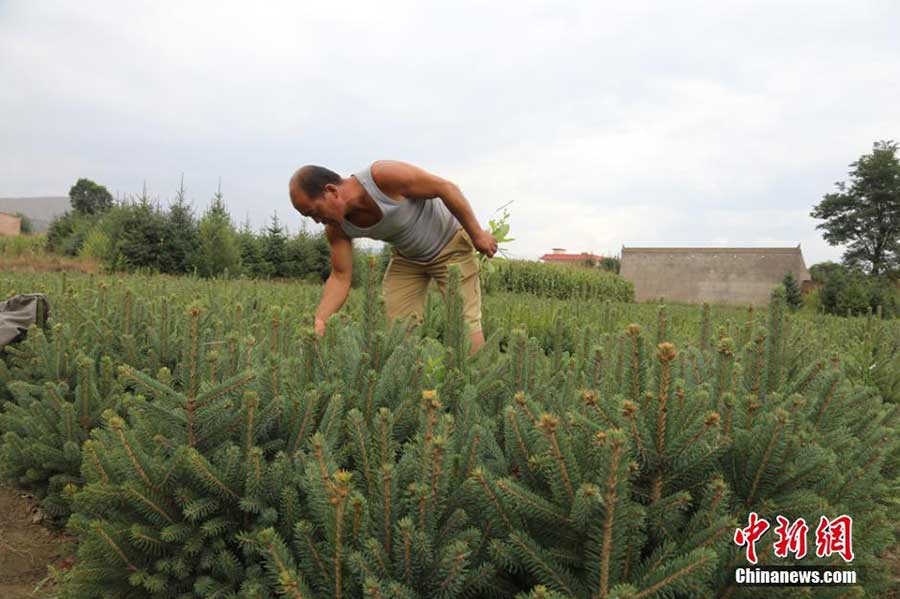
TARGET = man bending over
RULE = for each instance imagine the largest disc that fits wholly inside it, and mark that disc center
(396, 202)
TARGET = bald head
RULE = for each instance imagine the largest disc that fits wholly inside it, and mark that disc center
(316, 192)
(311, 180)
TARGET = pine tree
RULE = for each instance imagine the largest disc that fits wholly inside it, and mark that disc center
(592, 480)
(252, 263)
(792, 292)
(234, 453)
(273, 245)
(44, 425)
(138, 232)
(182, 472)
(219, 252)
(457, 335)
(180, 241)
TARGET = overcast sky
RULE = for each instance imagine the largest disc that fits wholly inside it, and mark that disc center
(638, 123)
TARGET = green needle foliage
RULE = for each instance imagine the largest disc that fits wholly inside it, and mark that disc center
(202, 441)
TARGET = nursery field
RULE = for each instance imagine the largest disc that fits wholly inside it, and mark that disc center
(196, 439)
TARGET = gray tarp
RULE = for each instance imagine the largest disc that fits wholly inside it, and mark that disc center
(19, 312)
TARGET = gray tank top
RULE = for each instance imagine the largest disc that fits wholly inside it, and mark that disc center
(418, 229)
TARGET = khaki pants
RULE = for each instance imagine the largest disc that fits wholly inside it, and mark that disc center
(406, 281)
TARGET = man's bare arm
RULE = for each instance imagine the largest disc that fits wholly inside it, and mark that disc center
(400, 178)
(338, 284)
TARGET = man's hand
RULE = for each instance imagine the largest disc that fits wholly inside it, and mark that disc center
(485, 243)
(320, 327)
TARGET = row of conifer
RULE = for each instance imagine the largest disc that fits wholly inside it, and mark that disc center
(217, 449)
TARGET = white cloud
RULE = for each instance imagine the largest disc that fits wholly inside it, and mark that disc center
(646, 123)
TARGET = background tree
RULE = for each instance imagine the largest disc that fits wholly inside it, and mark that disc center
(273, 245)
(219, 251)
(67, 233)
(252, 264)
(181, 239)
(850, 292)
(611, 264)
(821, 272)
(865, 214)
(309, 256)
(136, 228)
(792, 294)
(27, 225)
(88, 197)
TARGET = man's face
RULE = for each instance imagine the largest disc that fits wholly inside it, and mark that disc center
(325, 209)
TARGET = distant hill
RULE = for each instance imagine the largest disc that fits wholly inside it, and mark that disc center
(40, 210)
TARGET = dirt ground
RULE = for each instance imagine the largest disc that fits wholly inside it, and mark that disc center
(47, 263)
(26, 548)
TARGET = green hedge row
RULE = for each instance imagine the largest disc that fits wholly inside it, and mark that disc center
(560, 282)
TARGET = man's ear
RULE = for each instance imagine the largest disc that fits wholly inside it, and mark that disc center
(329, 187)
